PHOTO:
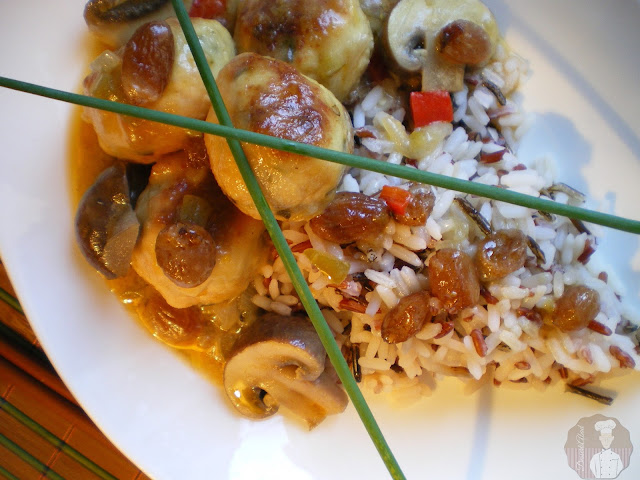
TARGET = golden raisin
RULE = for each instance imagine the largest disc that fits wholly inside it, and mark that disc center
(576, 308)
(500, 254)
(186, 253)
(178, 327)
(407, 318)
(464, 42)
(147, 62)
(453, 279)
(350, 217)
(419, 208)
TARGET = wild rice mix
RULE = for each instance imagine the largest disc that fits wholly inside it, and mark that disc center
(416, 282)
(512, 333)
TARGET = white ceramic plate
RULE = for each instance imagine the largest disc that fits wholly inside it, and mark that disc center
(175, 425)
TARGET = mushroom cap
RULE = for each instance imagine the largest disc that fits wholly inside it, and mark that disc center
(411, 38)
(114, 21)
(106, 226)
(280, 361)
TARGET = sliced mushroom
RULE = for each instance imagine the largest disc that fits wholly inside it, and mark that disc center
(280, 361)
(114, 21)
(439, 38)
(106, 225)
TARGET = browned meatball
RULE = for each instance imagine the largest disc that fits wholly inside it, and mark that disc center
(327, 40)
(194, 247)
(155, 69)
(268, 96)
(576, 308)
(500, 254)
(453, 279)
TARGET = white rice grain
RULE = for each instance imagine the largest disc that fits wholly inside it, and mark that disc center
(387, 296)
(350, 184)
(512, 341)
(493, 318)
(405, 255)
(380, 278)
(372, 348)
(372, 98)
(429, 331)
(374, 303)
(478, 110)
(261, 290)
(261, 302)
(442, 205)
(281, 308)
(374, 363)
(274, 290)
(434, 229)
(358, 116)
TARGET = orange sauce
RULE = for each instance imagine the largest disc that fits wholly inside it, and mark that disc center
(193, 332)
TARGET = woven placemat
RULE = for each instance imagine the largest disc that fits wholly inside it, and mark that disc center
(44, 433)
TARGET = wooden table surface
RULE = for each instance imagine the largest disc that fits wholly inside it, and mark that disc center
(44, 433)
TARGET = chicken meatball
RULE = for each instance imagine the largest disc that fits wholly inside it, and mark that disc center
(271, 97)
(328, 40)
(155, 70)
(195, 247)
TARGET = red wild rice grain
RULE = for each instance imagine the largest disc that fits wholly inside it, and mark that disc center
(363, 132)
(352, 305)
(599, 328)
(520, 380)
(492, 157)
(530, 314)
(486, 294)
(586, 354)
(478, 342)
(626, 361)
(581, 382)
(447, 327)
(301, 247)
(589, 250)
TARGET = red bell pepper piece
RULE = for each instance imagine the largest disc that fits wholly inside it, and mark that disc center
(397, 199)
(429, 107)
